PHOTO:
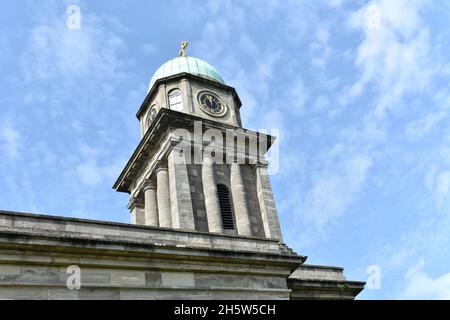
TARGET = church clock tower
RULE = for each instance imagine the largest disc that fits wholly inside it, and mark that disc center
(197, 174)
(204, 222)
(196, 168)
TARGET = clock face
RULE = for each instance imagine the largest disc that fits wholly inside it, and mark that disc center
(151, 116)
(211, 103)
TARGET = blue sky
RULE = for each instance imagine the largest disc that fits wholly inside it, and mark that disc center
(359, 91)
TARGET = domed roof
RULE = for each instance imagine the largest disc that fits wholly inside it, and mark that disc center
(186, 64)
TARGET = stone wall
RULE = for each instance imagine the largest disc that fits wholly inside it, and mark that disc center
(148, 281)
(122, 261)
(322, 282)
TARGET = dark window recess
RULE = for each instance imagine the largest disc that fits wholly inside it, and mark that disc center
(225, 207)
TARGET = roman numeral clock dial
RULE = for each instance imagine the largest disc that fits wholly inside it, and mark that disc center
(211, 104)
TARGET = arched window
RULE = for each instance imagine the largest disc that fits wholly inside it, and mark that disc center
(225, 207)
(175, 100)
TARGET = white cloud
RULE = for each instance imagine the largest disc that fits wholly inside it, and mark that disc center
(419, 285)
(439, 183)
(399, 67)
(420, 127)
(298, 95)
(53, 50)
(89, 173)
(149, 49)
(69, 88)
(10, 140)
(334, 3)
(443, 188)
(333, 191)
(320, 50)
(319, 203)
(394, 58)
(321, 103)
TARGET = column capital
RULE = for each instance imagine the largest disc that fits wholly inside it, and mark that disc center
(161, 165)
(261, 163)
(237, 158)
(176, 141)
(135, 202)
(207, 159)
(149, 184)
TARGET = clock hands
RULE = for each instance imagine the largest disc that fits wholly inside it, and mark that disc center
(211, 103)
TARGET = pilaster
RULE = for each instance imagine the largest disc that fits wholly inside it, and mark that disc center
(151, 204)
(163, 195)
(180, 192)
(269, 213)
(239, 201)
(136, 206)
(211, 199)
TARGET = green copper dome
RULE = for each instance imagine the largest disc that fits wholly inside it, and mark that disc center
(186, 64)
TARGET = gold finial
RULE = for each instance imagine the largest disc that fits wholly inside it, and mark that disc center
(182, 52)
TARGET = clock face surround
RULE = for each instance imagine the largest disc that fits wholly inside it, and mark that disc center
(211, 103)
(151, 116)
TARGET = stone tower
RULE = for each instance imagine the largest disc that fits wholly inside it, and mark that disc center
(204, 223)
(196, 168)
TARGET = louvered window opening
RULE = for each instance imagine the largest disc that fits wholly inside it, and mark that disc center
(225, 207)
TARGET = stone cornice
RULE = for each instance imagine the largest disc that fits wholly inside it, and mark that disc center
(56, 233)
(164, 121)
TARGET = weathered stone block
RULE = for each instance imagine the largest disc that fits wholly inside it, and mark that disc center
(99, 293)
(153, 279)
(177, 279)
(128, 278)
